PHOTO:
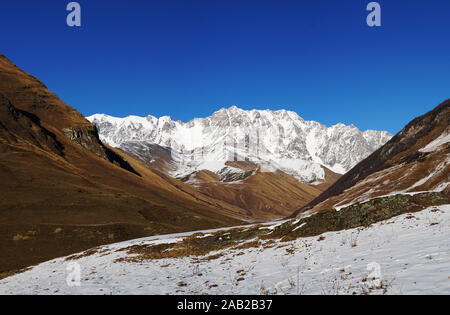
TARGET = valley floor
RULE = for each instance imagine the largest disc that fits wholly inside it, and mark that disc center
(408, 254)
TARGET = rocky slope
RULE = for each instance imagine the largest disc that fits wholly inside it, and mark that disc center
(62, 190)
(416, 159)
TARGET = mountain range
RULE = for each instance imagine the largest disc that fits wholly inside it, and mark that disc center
(275, 140)
(268, 163)
(70, 184)
(380, 229)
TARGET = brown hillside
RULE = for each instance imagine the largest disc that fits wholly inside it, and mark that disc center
(400, 165)
(62, 190)
(265, 195)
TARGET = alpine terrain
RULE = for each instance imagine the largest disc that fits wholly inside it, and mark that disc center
(415, 160)
(383, 228)
(274, 139)
(153, 206)
(269, 163)
(62, 190)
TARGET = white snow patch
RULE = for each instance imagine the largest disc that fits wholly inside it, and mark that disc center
(437, 143)
(411, 253)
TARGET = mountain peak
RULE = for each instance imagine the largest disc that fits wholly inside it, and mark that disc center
(281, 138)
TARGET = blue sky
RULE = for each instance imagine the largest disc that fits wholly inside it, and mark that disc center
(189, 58)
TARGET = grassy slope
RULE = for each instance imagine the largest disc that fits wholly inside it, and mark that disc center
(264, 195)
(402, 150)
(58, 197)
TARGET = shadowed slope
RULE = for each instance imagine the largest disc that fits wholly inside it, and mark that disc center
(62, 190)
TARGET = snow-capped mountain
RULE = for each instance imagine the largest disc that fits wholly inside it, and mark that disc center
(271, 139)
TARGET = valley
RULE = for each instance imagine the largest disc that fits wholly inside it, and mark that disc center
(153, 206)
(402, 255)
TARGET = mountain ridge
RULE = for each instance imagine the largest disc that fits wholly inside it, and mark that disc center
(284, 140)
(417, 158)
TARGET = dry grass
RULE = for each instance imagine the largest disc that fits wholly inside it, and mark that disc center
(87, 253)
(246, 245)
(195, 245)
(266, 196)
(199, 244)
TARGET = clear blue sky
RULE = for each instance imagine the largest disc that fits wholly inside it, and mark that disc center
(189, 58)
